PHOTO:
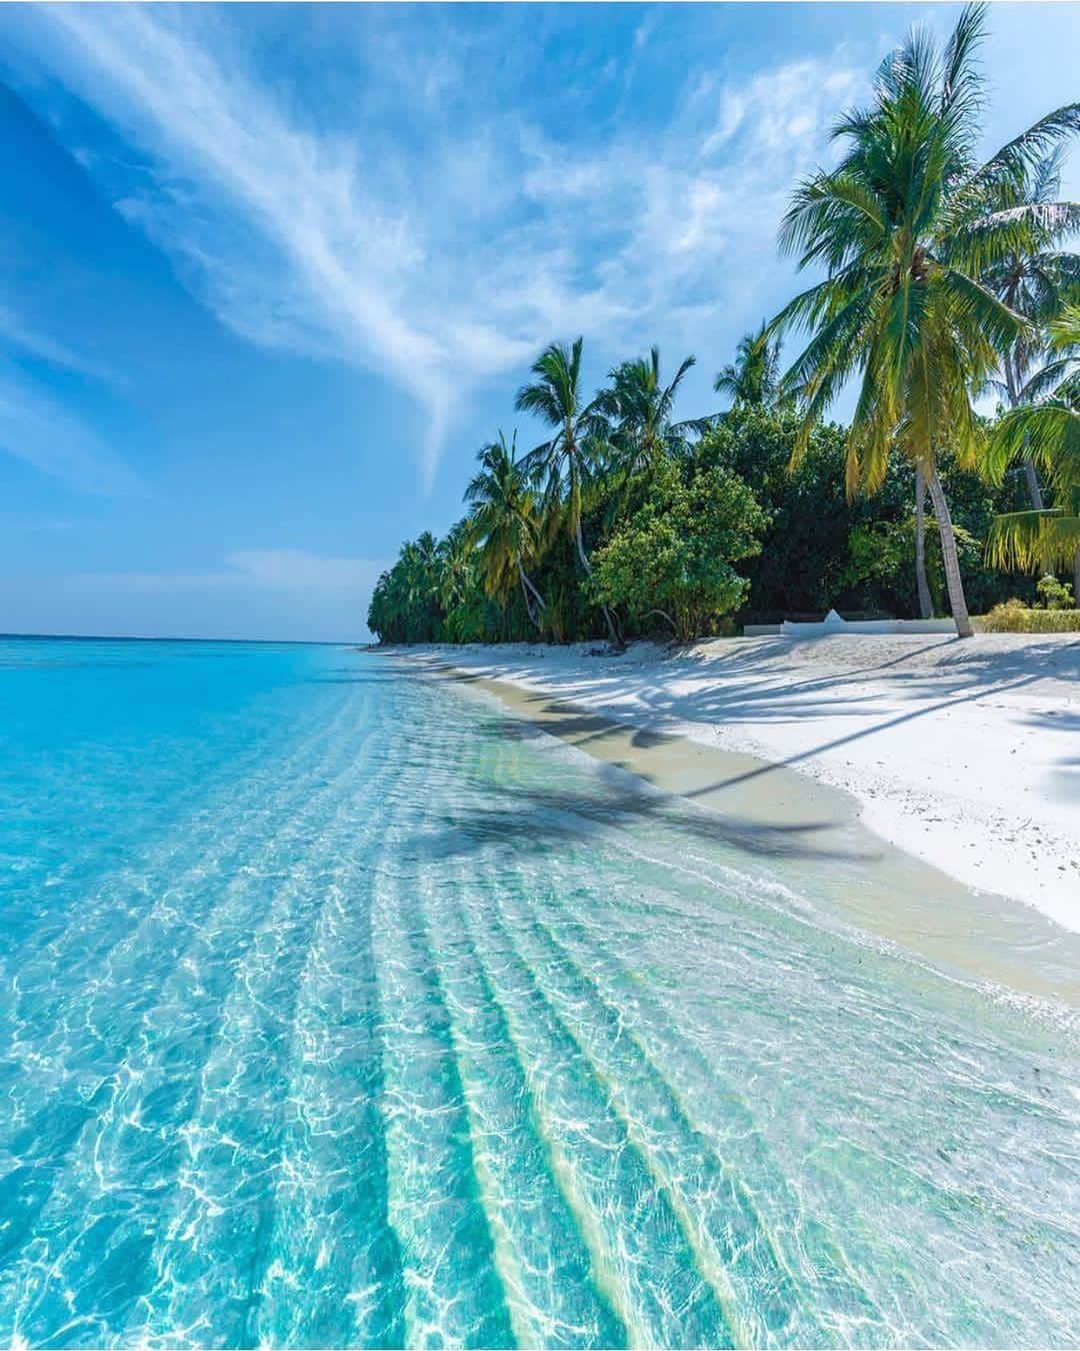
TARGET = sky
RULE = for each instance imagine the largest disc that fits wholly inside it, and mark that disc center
(271, 275)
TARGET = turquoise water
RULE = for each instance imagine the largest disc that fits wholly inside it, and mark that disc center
(337, 1008)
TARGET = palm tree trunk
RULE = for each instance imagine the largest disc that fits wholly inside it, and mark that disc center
(957, 600)
(926, 605)
(580, 542)
(541, 602)
(1012, 384)
(528, 599)
(614, 637)
(1034, 490)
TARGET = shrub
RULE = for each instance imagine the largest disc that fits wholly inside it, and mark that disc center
(673, 556)
(1054, 595)
(1013, 616)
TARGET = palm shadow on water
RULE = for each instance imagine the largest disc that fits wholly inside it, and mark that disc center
(535, 819)
(538, 817)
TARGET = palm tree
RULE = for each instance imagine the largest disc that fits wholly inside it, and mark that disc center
(922, 584)
(1032, 282)
(902, 227)
(1049, 433)
(1035, 283)
(752, 380)
(503, 523)
(639, 407)
(455, 561)
(419, 581)
(565, 463)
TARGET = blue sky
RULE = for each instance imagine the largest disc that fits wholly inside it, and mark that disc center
(270, 275)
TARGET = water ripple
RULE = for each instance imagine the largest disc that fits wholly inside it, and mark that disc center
(333, 1015)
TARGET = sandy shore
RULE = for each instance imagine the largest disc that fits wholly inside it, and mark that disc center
(964, 754)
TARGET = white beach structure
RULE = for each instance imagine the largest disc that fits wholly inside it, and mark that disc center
(834, 623)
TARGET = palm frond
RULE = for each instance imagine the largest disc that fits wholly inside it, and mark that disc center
(1048, 433)
(1033, 541)
(1019, 156)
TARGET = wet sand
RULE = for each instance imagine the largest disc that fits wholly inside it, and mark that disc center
(863, 879)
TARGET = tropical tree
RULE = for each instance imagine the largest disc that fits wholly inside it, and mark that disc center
(1033, 281)
(566, 463)
(673, 556)
(922, 584)
(902, 228)
(458, 586)
(1036, 283)
(421, 576)
(406, 605)
(752, 379)
(503, 524)
(639, 409)
(1049, 434)
(455, 562)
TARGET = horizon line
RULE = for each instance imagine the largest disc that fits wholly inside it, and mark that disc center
(166, 638)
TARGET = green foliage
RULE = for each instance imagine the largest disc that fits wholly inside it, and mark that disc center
(1047, 433)
(673, 557)
(817, 548)
(1015, 617)
(909, 227)
(940, 276)
(880, 555)
(1054, 595)
(821, 550)
(805, 545)
(752, 380)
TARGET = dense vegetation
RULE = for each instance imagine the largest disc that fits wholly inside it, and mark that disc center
(943, 278)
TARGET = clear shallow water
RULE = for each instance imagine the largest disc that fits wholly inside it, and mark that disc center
(336, 1008)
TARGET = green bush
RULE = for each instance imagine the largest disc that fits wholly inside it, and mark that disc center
(1054, 595)
(1013, 616)
(673, 556)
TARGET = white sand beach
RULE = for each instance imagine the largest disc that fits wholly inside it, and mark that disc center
(966, 754)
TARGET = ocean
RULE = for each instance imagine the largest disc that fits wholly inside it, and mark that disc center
(340, 1007)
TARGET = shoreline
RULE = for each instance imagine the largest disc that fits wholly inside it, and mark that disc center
(963, 755)
(855, 875)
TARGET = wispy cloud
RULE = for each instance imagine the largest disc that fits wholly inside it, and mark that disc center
(36, 429)
(25, 339)
(437, 250)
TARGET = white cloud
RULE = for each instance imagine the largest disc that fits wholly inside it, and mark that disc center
(294, 568)
(445, 250)
(17, 333)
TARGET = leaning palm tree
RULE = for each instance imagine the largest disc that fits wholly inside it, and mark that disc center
(564, 465)
(502, 523)
(753, 378)
(901, 225)
(639, 408)
(1049, 433)
(1035, 282)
